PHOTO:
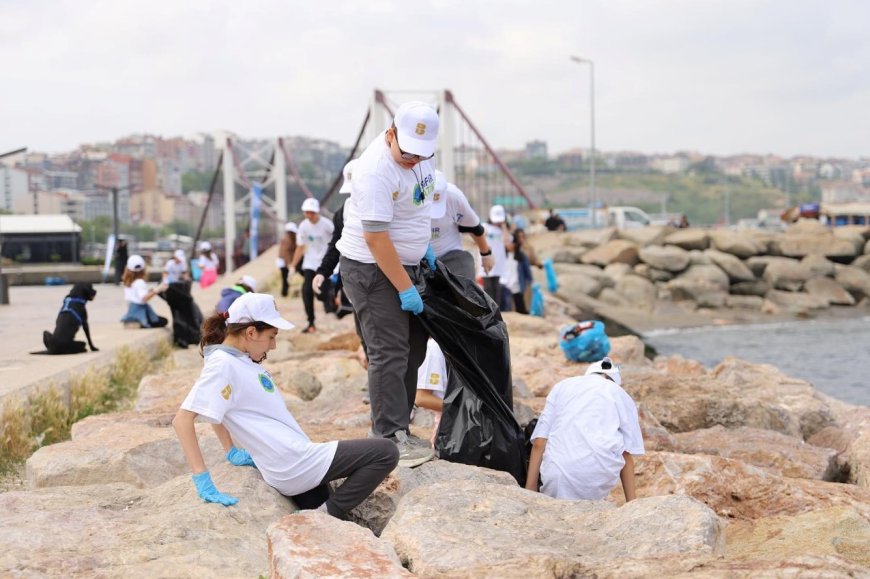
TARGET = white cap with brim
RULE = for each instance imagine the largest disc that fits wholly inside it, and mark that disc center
(250, 282)
(290, 226)
(439, 196)
(249, 308)
(311, 204)
(205, 246)
(179, 254)
(347, 173)
(497, 214)
(135, 263)
(417, 125)
(605, 366)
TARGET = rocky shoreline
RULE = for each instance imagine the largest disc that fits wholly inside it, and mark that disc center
(748, 472)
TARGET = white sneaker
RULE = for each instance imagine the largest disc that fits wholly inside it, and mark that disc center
(410, 454)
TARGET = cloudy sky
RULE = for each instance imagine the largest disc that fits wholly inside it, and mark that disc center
(718, 76)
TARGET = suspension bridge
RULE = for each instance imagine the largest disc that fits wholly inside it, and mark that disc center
(256, 188)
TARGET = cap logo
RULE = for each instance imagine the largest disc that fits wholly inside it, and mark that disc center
(266, 383)
(421, 129)
(225, 393)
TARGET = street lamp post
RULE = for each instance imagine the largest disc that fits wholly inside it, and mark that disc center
(594, 197)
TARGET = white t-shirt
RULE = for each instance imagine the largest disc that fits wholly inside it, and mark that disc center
(135, 294)
(174, 269)
(588, 421)
(208, 261)
(510, 277)
(432, 375)
(315, 238)
(236, 392)
(384, 191)
(445, 230)
(495, 238)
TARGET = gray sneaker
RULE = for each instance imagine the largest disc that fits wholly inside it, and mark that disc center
(410, 454)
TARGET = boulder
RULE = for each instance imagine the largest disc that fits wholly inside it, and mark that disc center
(166, 391)
(655, 436)
(566, 255)
(744, 302)
(118, 448)
(711, 274)
(643, 236)
(639, 292)
(314, 544)
(774, 452)
(758, 263)
(616, 251)
(589, 238)
(739, 244)
(578, 283)
(120, 531)
(736, 270)
(818, 265)
(854, 280)
(829, 290)
(863, 261)
(796, 302)
(851, 235)
(750, 288)
(592, 271)
(614, 271)
(611, 297)
(472, 529)
(688, 239)
(704, 293)
(786, 274)
(665, 257)
(801, 245)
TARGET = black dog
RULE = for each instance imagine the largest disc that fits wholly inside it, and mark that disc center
(72, 315)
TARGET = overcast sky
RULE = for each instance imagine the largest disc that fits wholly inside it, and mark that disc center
(717, 76)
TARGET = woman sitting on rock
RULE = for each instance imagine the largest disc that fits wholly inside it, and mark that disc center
(585, 437)
(237, 395)
(139, 313)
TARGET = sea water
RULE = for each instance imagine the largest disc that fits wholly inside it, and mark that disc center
(832, 355)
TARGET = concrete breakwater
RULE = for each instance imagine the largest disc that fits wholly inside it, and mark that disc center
(748, 472)
(665, 277)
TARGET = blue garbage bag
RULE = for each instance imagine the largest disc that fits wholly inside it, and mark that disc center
(195, 272)
(537, 307)
(552, 282)
(584, 342)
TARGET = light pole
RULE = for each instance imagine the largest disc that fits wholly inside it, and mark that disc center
(594, 200)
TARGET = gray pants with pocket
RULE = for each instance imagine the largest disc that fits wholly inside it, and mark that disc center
(395, 343)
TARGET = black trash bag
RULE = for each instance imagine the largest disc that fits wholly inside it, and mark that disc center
(186, 315)
(478, 426)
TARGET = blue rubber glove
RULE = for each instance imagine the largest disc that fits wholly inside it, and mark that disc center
(411, 300)
(430, 258)
(240, 457)
(207, 491)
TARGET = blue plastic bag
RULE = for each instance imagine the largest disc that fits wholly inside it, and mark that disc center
(552, 282)
(584, 343)
(195, 272)
(537, 307)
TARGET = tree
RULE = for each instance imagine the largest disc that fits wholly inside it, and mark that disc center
(195, 181)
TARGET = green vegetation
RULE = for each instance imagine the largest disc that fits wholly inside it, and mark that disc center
(195, 181)
(46, 418)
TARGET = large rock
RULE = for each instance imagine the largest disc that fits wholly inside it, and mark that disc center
(797, 302)
(786, 274)
(118, 448)
(740, 244)
(703, 293)
(712, 274)
(689, 239)
(750, 288)
(471, 529)
(818, 265)
(863, 261)
(744, 302)
(854, 280)
(589, 238)
(735, 393)
(616, 251)
(736, 270)
(667, 257)
(772, 451)
(115, 530)
(795, 244)
(643, 236)
(829, 290)
(166, 391)
(313, 544)
(573, 284)
(639, 292)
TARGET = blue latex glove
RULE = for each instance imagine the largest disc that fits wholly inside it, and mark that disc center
(207, 491)
(411, 300)
(430, 258)
(240, 457)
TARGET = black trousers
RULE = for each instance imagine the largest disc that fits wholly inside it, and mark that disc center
(308, 294)
(285, 283)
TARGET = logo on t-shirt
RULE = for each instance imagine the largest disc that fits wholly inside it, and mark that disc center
(225, 393)
(436, 232)
(267, 383)
(434, 378)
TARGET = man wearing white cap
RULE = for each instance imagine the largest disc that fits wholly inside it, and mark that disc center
(312, 239)
(498, 238)
(286, 251)
(247, 284)
(586, 436)
(386, 234)
(175, 270)
(452, 216)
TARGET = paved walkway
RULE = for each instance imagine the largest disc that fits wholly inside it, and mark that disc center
(33, 309)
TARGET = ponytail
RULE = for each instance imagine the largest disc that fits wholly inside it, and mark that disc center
(213, 330)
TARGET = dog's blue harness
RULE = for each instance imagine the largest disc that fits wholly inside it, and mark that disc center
(66, 307)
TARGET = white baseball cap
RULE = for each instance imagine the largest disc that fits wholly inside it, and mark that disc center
(496, 214)
(255, 307)
(135, 263)
(290, 226)
(417, 125)
(605, 366)
(249, 281)
(439, 196)
(311, 204)
(179, 254)
(347, 173)
(205, 246)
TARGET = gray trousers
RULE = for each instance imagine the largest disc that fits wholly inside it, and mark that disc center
(365, 463)
(459, 262)
(395, 344)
